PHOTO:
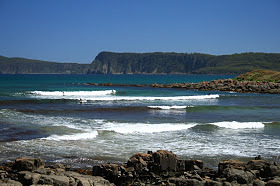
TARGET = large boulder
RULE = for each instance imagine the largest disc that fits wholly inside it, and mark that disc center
(229, 164)
(28, 164)
(54, 180)
(235, 171)
(241, 176)
(139, 161)
(107, 171)
(28, 178)
(264, 168)
(166, 160)
(183, 182)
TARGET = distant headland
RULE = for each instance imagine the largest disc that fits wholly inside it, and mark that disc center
(148, 63)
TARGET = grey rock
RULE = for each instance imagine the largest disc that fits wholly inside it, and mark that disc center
(241, 176)
(258, 183)
(28, 164)
(187, 182)
(54, 180)
(10, 183)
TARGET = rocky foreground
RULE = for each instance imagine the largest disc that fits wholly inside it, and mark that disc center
(228, 85)
(152, 168)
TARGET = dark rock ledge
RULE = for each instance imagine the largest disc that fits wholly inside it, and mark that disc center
(228, 85)
(152, 168)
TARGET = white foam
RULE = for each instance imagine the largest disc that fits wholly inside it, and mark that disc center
(74, 93)
(109, 95)
(77, 136)
(168, 107)
(127, 128)
(239, 125)
(132, 98)
(42, 120)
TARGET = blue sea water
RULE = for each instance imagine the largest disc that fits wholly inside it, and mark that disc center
(63, 119)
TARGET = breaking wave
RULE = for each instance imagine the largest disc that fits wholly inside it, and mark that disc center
(127, 128)
(168, 107)
(73, 93)
(239, 125)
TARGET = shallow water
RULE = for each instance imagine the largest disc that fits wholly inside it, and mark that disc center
(41, 116)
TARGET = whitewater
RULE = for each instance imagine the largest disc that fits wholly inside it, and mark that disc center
(63, 119)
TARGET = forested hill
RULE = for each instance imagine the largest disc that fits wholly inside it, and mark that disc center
(181, 63)
(148, 63)
(29, 66)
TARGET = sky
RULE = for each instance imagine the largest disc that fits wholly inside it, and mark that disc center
(76, 31)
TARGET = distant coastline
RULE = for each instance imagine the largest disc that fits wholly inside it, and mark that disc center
(148, 63)
(258, 81)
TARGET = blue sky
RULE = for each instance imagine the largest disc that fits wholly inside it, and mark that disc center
(76, 31)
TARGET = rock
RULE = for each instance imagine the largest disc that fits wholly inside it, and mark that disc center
(212, 183)
(258, 183)
(183, 182)
(107, 171)
(85, 180)
(139, 161)
(28, 164)
(193, 165)
(264, 168)
(54, 180)
(273, 183)
(10, 183)
(241, 176)
(43, 171)
(3, 174)
(230, 164)
(28, 178)
(167, 160)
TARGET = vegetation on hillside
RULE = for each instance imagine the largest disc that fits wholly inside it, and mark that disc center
(29, 66)
(148, 63)
(182, 63)
(260, 75)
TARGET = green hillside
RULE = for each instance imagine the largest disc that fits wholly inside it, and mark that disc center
(182, 63)
(148, 63)
(29, 66)
(260, 75)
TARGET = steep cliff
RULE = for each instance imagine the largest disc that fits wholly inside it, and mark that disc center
(181, 63)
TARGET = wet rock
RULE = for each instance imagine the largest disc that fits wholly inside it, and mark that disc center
(28, 164)
(193, 165)
(108, 171)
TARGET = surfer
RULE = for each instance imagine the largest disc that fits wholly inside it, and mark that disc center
(62, 93)
(81, 101)
(113, 92)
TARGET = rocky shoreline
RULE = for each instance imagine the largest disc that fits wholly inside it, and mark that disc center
(228, 85)
(151, 168)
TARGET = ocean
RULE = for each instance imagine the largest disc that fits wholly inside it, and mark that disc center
(62, 119)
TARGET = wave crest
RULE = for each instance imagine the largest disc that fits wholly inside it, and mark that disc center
(239, 125)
